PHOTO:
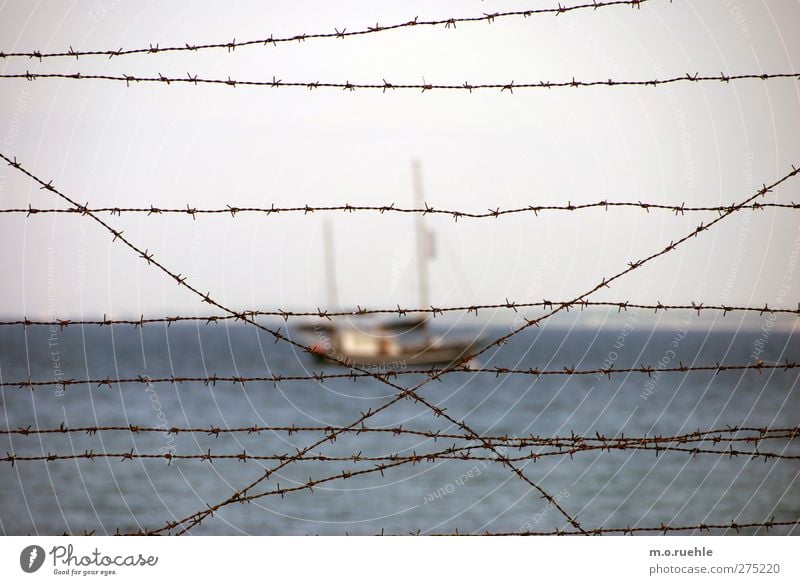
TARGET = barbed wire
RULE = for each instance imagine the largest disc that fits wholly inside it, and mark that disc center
(627, 530)
(386, 85)
(454, 453)
(712, 436)
(305, 209)
(411, 392)
(232, 45)
(433, 373)
(190, 521)
(400, 312)
(630, 530)
(239, 495)
(278, 335)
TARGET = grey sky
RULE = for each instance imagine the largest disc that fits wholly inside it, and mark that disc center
(702, 144)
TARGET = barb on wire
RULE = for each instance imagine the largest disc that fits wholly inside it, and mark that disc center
(404, 393)
(454, 453)
(321, 377)
(385, 85)
(232, 45)
(234, 210)
(402, 312)
(630, 530)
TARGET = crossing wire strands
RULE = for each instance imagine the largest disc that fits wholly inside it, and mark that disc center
(239, 495)
(403, 392)
(246, 494)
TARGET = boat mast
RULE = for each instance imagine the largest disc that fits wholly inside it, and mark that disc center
(422, 238)
(330, 264)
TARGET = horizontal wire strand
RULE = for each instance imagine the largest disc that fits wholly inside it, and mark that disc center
(435, 374)
(306, 209)
(713, 436)
(230, 46)
(400, 312)
(385, 85)
(453, 453)
(629, 530)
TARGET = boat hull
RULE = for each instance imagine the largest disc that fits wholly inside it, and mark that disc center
(427, 356)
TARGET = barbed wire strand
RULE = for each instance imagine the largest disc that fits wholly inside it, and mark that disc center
(454, 453)
(306, 209)
(232, 45)
(386, 374)
(629, 530)
(402, 394)
(713, 436)
(401, 312)
(386, 86)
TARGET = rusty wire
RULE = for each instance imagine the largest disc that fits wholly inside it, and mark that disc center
(401, 312)
(278, 335)
(727, 434)
(454, 452)
(386, 85)
(232, 45)
(305, 209)
(627, 530)
(630, 530)
(432, 373)
(241, 497)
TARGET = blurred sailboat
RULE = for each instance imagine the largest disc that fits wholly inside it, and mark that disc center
(391, 344)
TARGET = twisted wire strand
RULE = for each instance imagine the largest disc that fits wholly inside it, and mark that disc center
(306, 209)
(630, 530)
(456, 453)
(385, 86)
(626, 530)
(402, 312)
(232, 45)
(727, 434)
(433, 373)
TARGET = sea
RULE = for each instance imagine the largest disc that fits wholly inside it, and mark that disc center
(599, 488)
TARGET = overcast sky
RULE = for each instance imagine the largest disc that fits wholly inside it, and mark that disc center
(699, 144)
